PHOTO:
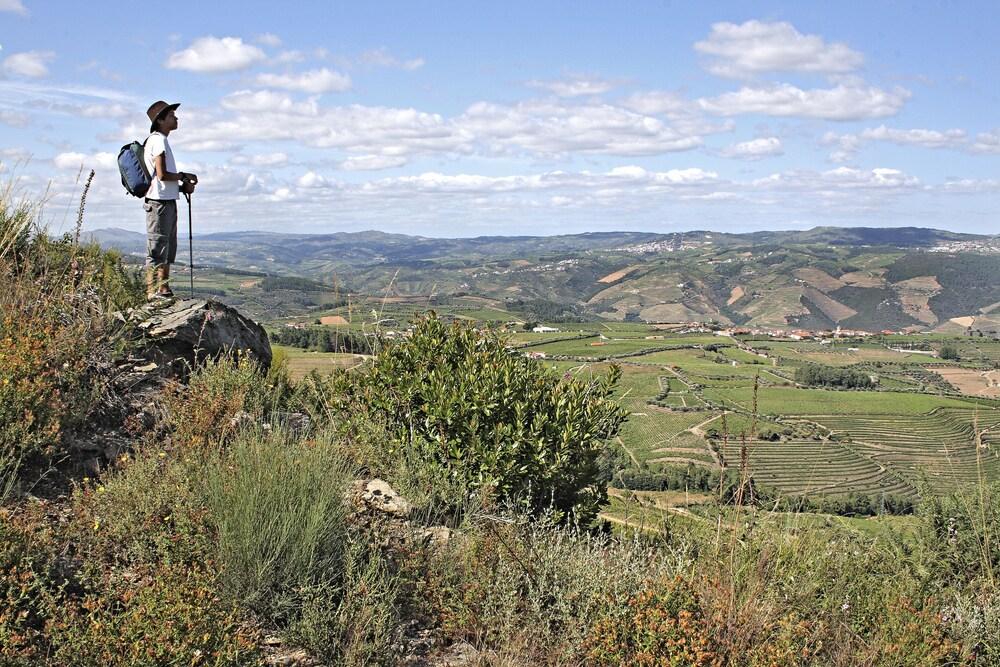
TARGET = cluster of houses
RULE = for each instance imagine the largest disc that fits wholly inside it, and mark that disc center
(826, 335)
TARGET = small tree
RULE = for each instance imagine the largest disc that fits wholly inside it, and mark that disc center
(949, 352)
(492, 419)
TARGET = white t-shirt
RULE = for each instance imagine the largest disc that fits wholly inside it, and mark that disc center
(155, 145)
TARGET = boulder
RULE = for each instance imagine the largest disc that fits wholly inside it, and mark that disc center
(190, 330)
(377, 495)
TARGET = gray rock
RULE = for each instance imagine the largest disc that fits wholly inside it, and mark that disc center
(436, 537)
(196, 329)
(458, 655)
(377, 495)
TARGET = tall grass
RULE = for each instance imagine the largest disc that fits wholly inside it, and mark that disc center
(287, 550)
(278, 505)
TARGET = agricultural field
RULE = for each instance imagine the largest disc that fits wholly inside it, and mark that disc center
(913, 433)
(301, 362)
(841, 354)
(702, 401)
(599, 348)
(794, 401)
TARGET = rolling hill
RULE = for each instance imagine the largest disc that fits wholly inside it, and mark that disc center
(864, 278)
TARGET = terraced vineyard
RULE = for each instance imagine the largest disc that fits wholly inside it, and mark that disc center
(939, 448)
(807, 467)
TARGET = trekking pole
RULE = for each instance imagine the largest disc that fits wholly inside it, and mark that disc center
(187, 195)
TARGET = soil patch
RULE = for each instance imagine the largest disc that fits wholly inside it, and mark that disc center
(821, 280)
(863, 279)
(832, 308)
(617, 275)
(971, 381)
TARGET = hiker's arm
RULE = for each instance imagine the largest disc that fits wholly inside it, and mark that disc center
(160, 162)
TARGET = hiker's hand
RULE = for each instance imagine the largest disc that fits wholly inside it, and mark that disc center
(187, 187)
(191, 178)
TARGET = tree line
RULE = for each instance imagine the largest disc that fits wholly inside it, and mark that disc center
(322, 339)
(830, 376)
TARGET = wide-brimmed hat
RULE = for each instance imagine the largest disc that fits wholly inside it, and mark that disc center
(157, 110)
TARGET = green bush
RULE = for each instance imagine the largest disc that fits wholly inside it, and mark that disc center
(949, 352)
(221, 396)
(495, 421)
(30, 584)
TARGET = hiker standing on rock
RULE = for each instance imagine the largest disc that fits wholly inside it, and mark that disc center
(160, 203)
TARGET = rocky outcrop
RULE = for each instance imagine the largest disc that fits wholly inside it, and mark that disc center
(376, 495)
(178, 333)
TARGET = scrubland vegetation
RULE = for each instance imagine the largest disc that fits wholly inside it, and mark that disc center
(228, 521)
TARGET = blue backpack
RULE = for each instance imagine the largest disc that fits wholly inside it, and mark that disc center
(132, 165)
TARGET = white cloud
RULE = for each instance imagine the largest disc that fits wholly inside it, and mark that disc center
(32, 64)
(689, 176)
(839, 179)
(916, 137)
(843, 102)
(574, 86)
(14, 118)
(314, 81)
(849, 144)
(106, 111)
(549, 128)
(754, 149)
(262, 159)
(211, 54)
(987, 142)
(755, 47)
(371, 162)
(13, 6)
(15, 154)
(382, 58)
(311, 179)
(658, 102)
(385, 137)
(281, 195)
(288, 57)
(267, 101)
(105, 161)
(268, 39)
(266, 116)
(971, 185)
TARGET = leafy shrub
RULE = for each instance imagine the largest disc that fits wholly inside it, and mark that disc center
(222, 395)
(663, 625)
(959, 532)
(30, 582)
(147, 510)
(492, 419)
(169, 615)
(531, 589)
(57, 341)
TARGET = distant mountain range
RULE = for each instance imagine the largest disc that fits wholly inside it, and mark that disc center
(864, 278)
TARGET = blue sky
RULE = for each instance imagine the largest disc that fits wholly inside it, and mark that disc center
(464, 119)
